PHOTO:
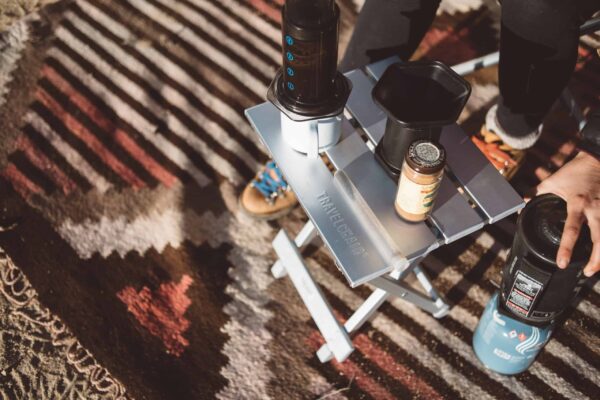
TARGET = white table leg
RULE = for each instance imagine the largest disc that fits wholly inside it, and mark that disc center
(304, 237)
(436, 306)
(278, 270)
(442, 307)
(360, 316)
(334, 333)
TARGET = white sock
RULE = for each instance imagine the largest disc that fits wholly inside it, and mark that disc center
(519, 143)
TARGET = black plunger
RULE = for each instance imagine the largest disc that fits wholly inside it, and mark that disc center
(308, 86)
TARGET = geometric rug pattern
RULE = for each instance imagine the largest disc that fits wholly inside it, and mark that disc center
(126, 267)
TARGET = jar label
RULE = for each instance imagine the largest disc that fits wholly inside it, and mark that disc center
(416, 198)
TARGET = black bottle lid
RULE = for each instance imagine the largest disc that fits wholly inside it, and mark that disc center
(541, 225)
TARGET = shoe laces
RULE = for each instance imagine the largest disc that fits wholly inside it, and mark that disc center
(268, 186)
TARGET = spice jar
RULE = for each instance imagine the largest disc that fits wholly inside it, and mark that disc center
(420, 179)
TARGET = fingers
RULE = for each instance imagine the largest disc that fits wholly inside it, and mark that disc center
(570, 231)
(549, 186)
(593, 217)
(593, 265)
(545, 187)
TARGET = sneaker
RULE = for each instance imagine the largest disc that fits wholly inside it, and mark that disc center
(507, 159)
(268, 196)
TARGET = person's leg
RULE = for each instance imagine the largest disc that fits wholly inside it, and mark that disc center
(538, 51)
(388, 27)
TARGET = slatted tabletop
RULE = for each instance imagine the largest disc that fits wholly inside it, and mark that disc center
(359, 224)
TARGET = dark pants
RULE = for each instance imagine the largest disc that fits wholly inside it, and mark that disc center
(538, 49)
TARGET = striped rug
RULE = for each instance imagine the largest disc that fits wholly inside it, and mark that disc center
(126, 268)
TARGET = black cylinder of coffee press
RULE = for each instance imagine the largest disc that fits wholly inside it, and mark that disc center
(534, 290)
(392, 148)
(310, 47)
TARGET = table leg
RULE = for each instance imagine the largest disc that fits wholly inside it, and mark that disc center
(304, 237)
(321, 312)
(433, 303)
(443, 307)
(360, 316)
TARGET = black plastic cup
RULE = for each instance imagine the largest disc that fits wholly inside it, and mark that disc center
(419, 98)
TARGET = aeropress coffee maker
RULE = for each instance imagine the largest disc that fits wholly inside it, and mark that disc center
(308, 89)
(419, 98)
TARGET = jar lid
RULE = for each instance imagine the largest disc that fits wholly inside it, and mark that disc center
(426, 157)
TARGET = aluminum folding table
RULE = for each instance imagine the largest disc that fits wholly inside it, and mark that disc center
(351, 208)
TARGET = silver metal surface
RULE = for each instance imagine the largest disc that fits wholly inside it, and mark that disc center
(377, 69)
(379, 192)
(333, 216)
(488, 189)
(452, 214)
(484, 184)
(363, 108)
(386, 245)
(347, 150)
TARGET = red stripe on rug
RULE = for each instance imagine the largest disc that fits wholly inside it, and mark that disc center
(353, 371)
(20, 182)
(387, 363)
(151, 165)
(90, 140)
(40, 160)
(397, 371)
(266, 9)
(162, 312)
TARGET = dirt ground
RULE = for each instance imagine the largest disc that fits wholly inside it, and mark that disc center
(11, 10)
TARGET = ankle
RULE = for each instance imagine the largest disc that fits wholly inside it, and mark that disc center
(520, 142)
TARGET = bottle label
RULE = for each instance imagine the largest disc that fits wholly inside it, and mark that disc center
(416, 198)
(523, 293)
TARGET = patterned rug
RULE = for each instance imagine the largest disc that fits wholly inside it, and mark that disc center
(126, 268)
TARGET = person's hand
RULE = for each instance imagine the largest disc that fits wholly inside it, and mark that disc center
(578, 183)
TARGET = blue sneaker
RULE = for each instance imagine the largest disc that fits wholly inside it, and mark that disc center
(268, 196)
